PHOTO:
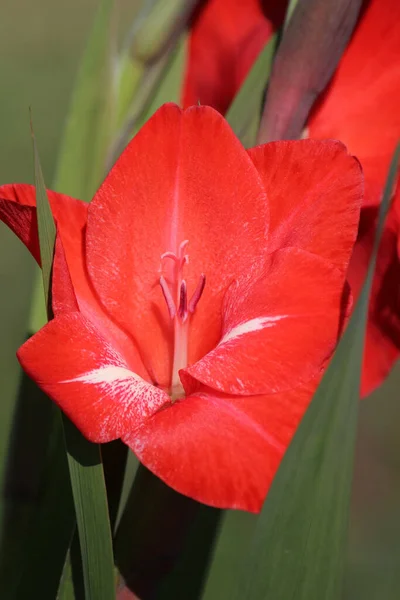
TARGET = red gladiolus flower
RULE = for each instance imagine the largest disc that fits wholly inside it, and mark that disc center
(226, 38)
(196, 298)
(360, 108)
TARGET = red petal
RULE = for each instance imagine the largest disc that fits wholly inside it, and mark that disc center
(221, 450)
(314, 191)
(18, 211)
(89, 379)
(280, 326)
(225, 39)
(184, 176)
(361, 106)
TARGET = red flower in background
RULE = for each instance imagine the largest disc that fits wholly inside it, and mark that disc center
(203, 273)
(226, 38)
(360, 108)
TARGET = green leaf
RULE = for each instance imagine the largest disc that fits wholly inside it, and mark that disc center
(131, 468)
(300, 541)
(66, 590)
(160, 82)
(89, 124)
(115, 458)
(89, 491)
(289, 11)
(236, 532)
(244, 113)
(130, 73)
(82, 158)
(169, 86)
(71, 584)
(163, 23)
(46, 227)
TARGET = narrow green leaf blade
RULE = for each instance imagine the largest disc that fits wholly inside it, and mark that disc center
(66, 590)
(71, 584)
(46, 226)
(299, 545)
(169, 88)
(159, 82)
(89, 124)
(83, 154)
(244, 114)
(89, 491)
(162, 25)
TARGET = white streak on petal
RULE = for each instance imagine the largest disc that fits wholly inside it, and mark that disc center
(123, 386)
(110, 374)
(252, 325)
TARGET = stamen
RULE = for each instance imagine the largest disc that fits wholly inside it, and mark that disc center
(168, 297)
(182, 310)
(197, 294)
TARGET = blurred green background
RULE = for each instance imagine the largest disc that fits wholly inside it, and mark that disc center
(40, 46)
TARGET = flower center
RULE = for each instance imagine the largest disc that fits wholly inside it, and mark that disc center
(180, 310)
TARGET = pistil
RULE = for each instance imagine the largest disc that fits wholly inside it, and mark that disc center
(181, 331)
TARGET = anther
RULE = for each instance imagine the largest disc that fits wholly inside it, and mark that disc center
(197, 294)
(168, 297)
(182, 310)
